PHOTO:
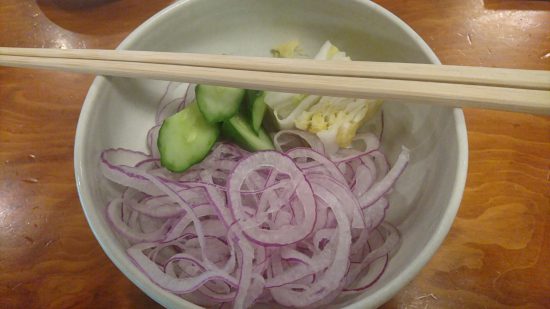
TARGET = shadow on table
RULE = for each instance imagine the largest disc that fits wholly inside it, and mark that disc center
(520, 5)
(94, 17)
(77, 4)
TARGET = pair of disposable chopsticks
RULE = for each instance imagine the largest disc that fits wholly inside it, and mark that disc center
(459, 86)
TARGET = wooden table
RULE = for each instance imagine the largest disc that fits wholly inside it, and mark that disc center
(497, 254)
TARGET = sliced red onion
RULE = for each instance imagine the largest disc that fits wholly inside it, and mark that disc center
(177, 230)
(307, 267)
(200, 299)
(362, 144)
(114, 218)
(389, 241)
(172, 101)
(365, 174)
(162, 206)
(380, 188)
(255, 290)
(327, 166)
(302, 189)
(330, 278)
(152, 137)
(382, 164)
(245, 274)
(126, 175)
(239, 228)
(285, 140)
(374, 214)
(170, 283)
(346, 199)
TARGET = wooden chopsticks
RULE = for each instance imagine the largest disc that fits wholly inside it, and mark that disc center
(460, 86)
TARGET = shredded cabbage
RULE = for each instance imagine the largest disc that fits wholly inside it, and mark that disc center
(334, 120)
(287, 50)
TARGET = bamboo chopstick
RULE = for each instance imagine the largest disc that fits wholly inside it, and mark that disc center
(513, 78)
(504, 89)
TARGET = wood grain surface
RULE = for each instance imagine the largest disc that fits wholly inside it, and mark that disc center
(497, 254)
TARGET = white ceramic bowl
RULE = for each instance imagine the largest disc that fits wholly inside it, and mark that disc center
(118, 112)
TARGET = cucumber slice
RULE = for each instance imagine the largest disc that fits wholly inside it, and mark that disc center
(218, 103)
(240, 131)
(185, 138)
(257, 107)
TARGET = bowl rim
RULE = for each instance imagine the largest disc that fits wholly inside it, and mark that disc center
(170, 300)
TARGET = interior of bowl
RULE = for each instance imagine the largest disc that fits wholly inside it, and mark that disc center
(118, 112)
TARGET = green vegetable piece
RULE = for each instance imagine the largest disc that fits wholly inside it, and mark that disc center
(257, 108)
(185, 138)
(240, 131)
(218, 103)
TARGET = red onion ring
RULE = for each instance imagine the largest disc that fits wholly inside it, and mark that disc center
(295, 227)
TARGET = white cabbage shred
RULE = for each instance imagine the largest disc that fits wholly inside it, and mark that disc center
(334, 120)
